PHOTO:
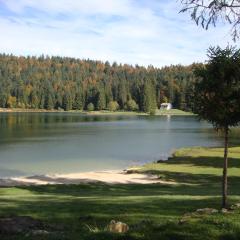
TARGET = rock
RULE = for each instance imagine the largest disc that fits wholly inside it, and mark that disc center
(161, 161)
(37, 233)
(235, 206)
(131, 171)
(207, 211)
(224, 210)
(118, 227)
(183, 220)
(197, 213)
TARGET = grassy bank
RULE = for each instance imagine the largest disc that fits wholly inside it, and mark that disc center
(103, 112)
(152, 211)
(173, 112)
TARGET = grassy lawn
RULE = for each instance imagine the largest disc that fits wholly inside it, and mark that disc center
(151, 211)
(173, 112)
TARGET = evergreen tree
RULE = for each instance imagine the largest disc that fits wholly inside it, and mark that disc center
(78, 101)
(217, 97)
(149, 98)
(101, 99)
(67, 102)
(42, 102)
(34, 102)
(49, 105)
(73, 83)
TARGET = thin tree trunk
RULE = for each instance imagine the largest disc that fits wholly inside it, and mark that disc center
(225, 168)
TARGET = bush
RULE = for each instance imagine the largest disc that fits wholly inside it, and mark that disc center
(11, 102)
(113, 106)
(132, 105)
(152, 112)
(90, 107)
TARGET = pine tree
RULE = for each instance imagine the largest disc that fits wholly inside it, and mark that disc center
(78, 101)
(49, 105)
(34, 102)
(149, 98)
(101, 99)
(67, 102)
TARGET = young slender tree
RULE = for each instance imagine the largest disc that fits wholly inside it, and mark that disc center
(217, 97)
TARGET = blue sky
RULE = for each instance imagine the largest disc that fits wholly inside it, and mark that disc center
(144, 32)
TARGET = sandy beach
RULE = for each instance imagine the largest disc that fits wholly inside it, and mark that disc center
(109, 177)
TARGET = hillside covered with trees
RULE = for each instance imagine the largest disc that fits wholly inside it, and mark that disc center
(74, 84)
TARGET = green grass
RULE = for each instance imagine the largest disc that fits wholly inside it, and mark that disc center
(103, 112)
(152, 211)
(106, 112)
(173, 112)
(158, 112)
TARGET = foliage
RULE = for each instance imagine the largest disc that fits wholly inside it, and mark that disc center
(68, 83)
(90, 107)
(206, 13)
(101, 99)
(217, 97)
(11, 102)
(149, 98)
(113, 106)
(132, 105)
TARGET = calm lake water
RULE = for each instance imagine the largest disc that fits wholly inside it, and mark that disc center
(38, 143)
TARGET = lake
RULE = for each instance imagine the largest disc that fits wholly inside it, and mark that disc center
(40, 143)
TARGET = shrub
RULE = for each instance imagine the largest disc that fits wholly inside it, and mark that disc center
(113, 106)
(132, 105)
(90, 107)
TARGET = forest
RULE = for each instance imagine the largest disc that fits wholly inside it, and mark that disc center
(64, 83)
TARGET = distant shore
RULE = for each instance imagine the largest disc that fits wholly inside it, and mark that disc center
(172, 112)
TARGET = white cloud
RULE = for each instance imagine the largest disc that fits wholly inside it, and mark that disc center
(70, 6)
(127, 31)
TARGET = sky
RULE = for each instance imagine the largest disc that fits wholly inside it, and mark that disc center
(143, 32)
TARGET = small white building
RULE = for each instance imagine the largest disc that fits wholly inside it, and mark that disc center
(166, 106)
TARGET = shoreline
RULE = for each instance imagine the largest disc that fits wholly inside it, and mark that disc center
(106, 177)
(172, 112)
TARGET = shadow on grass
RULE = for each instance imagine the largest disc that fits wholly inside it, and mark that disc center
(214, 162)
(103, 209)
(74, 206)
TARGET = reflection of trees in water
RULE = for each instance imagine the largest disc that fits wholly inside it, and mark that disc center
(234, 136)
(16, 125)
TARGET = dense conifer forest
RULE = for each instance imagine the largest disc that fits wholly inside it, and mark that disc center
(73, 84)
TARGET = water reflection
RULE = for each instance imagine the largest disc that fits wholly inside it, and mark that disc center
(68, 142)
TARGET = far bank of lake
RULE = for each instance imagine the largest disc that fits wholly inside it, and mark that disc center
(172, 112)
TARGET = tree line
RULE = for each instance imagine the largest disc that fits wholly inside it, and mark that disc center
(74, 84)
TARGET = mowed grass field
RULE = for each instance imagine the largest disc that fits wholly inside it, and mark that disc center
(151, 211)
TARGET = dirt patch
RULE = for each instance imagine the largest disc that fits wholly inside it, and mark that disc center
(19, 224)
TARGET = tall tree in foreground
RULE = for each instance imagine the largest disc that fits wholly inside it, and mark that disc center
(217, 96)
(209, 12)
